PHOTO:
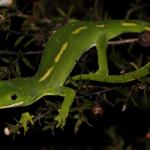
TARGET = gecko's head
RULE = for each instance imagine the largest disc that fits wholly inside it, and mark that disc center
(16, 92)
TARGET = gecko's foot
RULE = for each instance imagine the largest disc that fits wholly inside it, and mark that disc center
(61, 120)
(25, 120)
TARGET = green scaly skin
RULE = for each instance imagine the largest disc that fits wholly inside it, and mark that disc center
(61, 52)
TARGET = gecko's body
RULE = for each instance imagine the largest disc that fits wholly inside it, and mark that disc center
(60, 55)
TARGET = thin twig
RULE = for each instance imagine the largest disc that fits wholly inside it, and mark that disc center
(117, 42)
(100, 92)
(123, 41)
(23, 53)
(26, 16)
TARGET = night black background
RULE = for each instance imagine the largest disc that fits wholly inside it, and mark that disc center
(131, 125)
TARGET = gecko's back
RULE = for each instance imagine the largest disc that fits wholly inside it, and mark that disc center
(67, 45)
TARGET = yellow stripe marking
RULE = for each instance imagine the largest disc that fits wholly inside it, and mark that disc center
(100, 26)
(46, 74)
(64, 47)
(12, 105)
(147, 28)
(128, 24)
(78, 30)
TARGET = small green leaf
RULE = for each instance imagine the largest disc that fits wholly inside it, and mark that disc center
(17, 66)
(71, 8)
(29, 42)
(7, 36)
(119, 61)
(76, 116)
(18, 41)
(62, 13)
(5, 60)
(28, 63)
(3, 72)
(77, 125)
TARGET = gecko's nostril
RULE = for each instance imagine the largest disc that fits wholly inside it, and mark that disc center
(13, 97)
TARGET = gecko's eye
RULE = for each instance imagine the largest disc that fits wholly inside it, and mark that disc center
(13, 96)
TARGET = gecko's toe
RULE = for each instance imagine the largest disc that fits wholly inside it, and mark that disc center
(60, 121)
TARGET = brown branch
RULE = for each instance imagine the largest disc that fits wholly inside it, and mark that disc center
(117, 42)
(123, 41)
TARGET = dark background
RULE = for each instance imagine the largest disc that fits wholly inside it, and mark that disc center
(115, 130)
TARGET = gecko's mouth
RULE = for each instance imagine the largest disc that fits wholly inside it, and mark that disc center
(12, 105)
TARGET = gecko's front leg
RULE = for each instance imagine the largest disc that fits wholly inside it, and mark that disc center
(69, 95)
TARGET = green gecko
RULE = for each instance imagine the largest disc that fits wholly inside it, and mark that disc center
(61, 52)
